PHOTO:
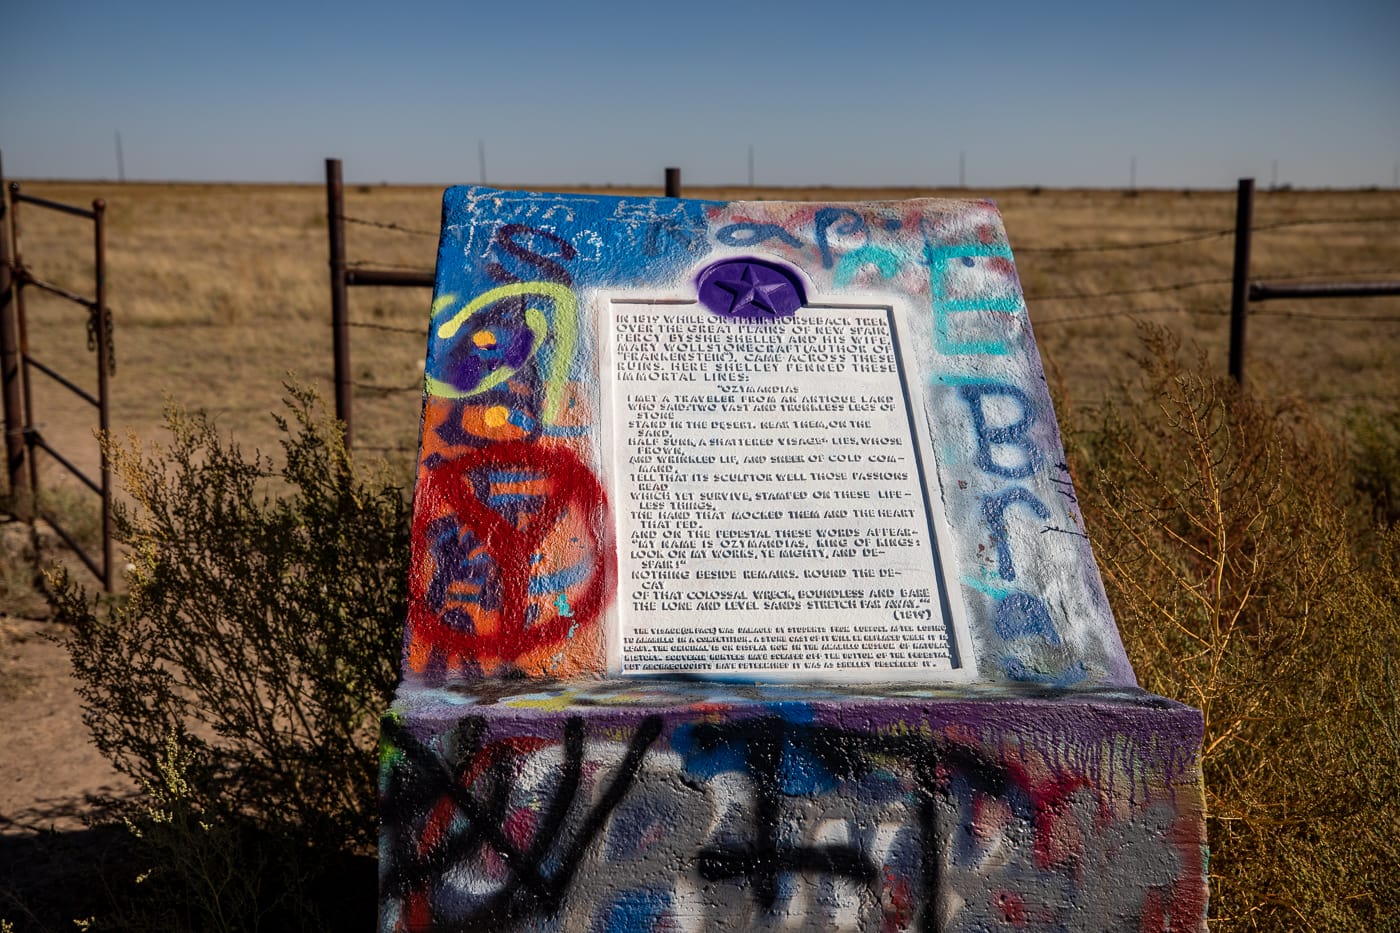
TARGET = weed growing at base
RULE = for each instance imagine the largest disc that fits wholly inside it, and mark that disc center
(1254, 576)
(241, 679)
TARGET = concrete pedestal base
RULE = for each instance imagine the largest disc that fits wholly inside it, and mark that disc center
(621, 807)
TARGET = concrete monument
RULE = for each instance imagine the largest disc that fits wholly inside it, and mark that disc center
(749, 592)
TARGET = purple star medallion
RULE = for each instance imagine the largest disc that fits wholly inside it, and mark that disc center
(750, 289)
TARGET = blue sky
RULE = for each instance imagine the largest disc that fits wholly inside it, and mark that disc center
(866, 92)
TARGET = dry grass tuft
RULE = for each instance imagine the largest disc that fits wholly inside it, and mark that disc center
(1251, 580)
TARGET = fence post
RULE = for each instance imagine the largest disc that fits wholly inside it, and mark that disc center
(1239, 294)
(673, 182)
(104, 364)
(340, 323)
(9, 358)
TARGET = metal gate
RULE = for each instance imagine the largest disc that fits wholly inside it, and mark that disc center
(23, 440)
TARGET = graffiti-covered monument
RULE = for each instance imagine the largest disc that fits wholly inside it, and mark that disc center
(749, 592)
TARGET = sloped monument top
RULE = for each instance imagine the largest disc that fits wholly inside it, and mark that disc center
(749, 441)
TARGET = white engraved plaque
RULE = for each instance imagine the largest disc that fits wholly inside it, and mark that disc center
(772, 484)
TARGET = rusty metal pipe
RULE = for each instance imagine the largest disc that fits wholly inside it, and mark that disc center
(1239, 292)
(55, 205)
(52, 289)
(73, 545)
(340, 311)
(67, 464)
(388, 277)
(1267, 291)
(104, 375)
(22, 320)
(10, 376)
(64, 381)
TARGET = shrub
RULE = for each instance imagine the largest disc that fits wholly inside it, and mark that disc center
(1247, 583)
(1375, 459)
(241, 679)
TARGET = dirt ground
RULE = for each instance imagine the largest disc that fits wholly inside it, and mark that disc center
(45, 781)
(54, 866)
(61, 852)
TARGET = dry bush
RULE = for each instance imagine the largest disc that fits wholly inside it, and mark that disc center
(1375, 456)
(241, 679)
(1247, 583)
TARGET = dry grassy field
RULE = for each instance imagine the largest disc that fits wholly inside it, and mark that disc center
(220, 291)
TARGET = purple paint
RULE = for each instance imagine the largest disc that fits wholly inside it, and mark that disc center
(750, 289)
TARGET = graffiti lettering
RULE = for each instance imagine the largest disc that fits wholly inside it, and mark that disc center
(883, 259)
(659, 228)
(847, 223)
(1005, 449)
(762, 744)
(753, 234)
(444, 791)
(994, 510)
(1021, 615)
(550, 270)
(678, 232)
(502, 834)
(947, 302)
(1012, 434)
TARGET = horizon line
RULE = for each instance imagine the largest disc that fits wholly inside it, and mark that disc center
(741, 185)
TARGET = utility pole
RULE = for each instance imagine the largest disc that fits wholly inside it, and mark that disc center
(121, 164)
(481, 158)
(750, 165)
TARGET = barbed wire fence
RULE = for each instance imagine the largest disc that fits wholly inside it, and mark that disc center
(1246, 286)
(346, 273)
